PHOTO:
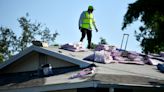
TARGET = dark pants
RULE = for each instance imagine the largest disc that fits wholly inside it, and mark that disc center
(89, 36)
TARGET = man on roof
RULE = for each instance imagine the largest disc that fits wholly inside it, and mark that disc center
(86, 24)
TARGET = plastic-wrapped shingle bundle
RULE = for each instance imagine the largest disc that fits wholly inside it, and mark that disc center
(100, 57)
(116, 55)
(105, 47)
(126, 57)
(152, 61)
(132, 55)
(68, 45)
(124, 53)
(75, 47)
(134, 58)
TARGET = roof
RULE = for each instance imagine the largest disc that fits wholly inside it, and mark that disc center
(106, 75)
(47, 51)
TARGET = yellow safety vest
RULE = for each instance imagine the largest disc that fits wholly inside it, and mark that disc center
(87, 21)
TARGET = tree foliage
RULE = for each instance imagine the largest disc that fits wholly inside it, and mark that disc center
(93, 45)
(11, 43)
(1, 58)
(7, 43)
(103, 41)
(33, 31)
(151, 14)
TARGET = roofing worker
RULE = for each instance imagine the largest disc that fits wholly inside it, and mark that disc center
(86, 24)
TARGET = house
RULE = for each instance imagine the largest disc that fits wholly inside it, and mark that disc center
(22, 73)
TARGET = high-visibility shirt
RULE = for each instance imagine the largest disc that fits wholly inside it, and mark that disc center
(87, 20)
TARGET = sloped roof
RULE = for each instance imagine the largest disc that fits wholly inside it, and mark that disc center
(47, 51)
(106, 75)
(113, 77)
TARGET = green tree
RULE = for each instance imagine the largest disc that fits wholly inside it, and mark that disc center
(151, 14)
(8, 43)
(103, 41)
(93, 45)
(1, 58)
(33, 31)
(11, 44)
(46, 36)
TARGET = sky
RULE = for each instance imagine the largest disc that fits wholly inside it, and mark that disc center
(63, 16)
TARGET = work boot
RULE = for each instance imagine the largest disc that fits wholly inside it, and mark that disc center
(89, 46)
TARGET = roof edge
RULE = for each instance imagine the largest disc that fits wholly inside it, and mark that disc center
(17, 56)
(81, 63)
(85, 84)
